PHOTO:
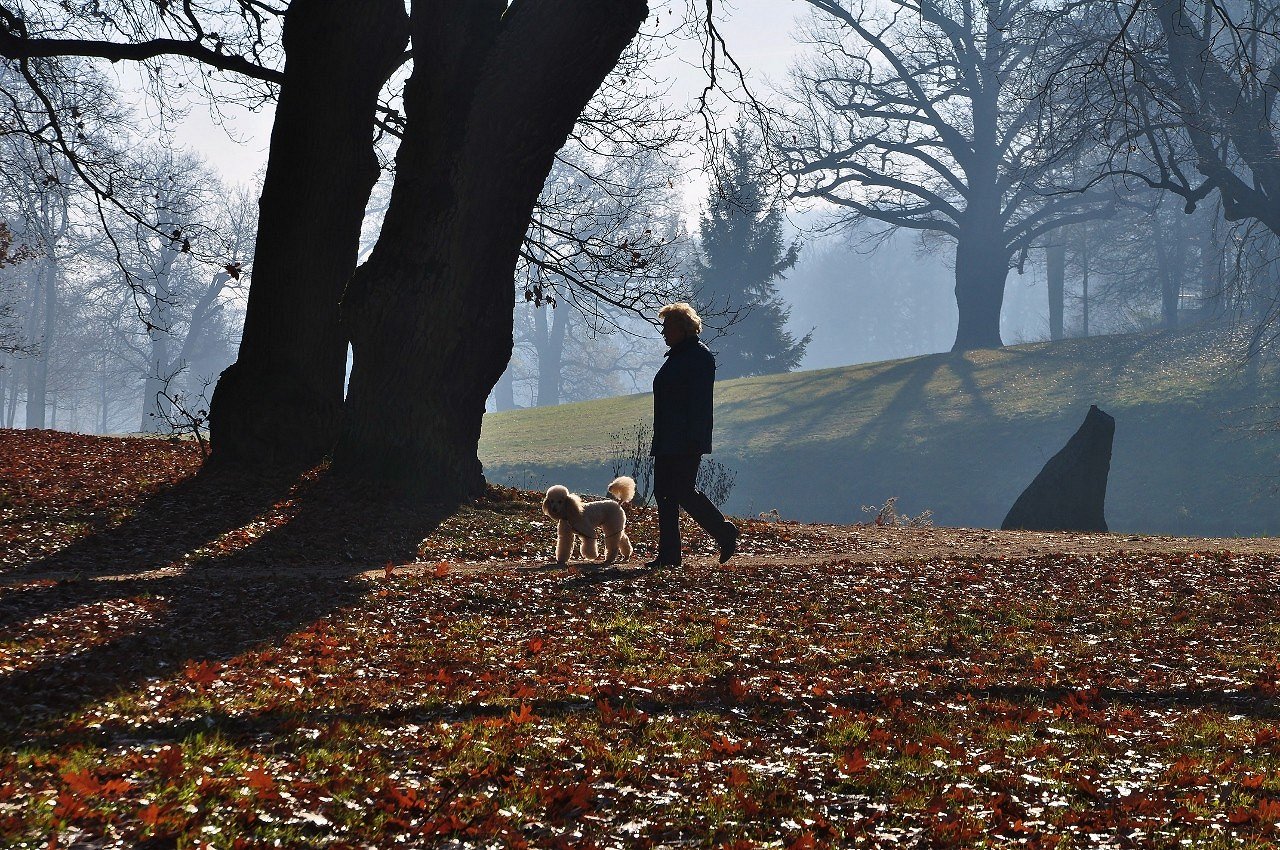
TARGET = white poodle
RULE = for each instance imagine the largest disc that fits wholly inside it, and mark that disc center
(582, 520)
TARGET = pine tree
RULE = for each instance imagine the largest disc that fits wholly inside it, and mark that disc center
(743, 254)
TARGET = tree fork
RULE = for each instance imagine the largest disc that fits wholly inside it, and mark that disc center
(490, 101)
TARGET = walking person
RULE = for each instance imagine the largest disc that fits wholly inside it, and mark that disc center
(682, 435)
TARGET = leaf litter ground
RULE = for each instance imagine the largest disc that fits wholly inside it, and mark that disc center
(199, 660)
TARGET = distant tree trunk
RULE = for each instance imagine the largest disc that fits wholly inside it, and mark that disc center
(281, 401)
(1084, 282)
(1169, 256)
(160, 366)
(102, 396)
(490, 101)
(11, 408)
(505, 392)
(1211, 265)
(1055, 262)
(38, 373)
(550, 344)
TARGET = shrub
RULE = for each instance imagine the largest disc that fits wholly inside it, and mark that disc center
(629, 455)
(716, 480)
(887, 514)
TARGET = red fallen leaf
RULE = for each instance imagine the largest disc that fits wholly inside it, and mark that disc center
(69, 807)
(565, 802)
(259, 780)
(852, 763)
(525, 715)
(442, 569)
(723, 746)
(168, 762)
(1267, 811)
(445, 825)
(83, 783)
(153, 814)
(201, 672)
(535, 645)
(736, 777)
(389, 570)
(737, 689)
(1239, 815)
(803, 841)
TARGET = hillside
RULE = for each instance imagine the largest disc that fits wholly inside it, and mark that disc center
(959, 434)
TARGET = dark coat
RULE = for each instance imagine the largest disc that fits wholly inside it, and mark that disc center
(682, 400)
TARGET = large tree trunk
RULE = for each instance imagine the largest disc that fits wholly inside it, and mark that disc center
(982, 266)
(491, 99)
(281, 401)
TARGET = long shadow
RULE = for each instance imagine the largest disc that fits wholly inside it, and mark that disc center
(711, 698)
(963, 370)
(213, 609)
(907, 399)
(161, 532)
(813, 412)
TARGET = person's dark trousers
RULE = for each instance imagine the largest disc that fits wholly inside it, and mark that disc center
(673, 489)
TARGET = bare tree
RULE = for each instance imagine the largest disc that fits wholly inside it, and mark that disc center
(926, 115)
(1194, 86)
(175, 299)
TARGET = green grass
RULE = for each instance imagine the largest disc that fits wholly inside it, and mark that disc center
(961, 434)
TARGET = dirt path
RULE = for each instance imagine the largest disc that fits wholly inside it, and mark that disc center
(794, 543)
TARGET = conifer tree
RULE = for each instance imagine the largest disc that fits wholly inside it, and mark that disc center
(743, 255)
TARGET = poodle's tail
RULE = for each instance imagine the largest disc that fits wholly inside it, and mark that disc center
(623, 489)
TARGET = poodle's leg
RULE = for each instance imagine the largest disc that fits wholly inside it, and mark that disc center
(589, 550)
(624, 545)
(610, 548)
(564, 543)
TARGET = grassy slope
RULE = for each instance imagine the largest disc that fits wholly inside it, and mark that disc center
(959, 434)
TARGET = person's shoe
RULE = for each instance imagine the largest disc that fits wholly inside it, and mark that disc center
(729, 542)
(659, 564)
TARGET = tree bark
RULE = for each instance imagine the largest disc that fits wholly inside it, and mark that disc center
(1055, 262)
(1211, 266)
(38, 376)
(982, 267)
(1168, 269)
(550, 344)
(505, 392)
(490, 101)
(281, 401)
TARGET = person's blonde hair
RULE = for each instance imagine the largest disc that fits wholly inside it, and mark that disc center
(689, 316)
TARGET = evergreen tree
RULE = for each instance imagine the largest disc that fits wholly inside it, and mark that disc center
(743, 254)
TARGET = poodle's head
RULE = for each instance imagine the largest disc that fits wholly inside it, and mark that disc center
(560, 503)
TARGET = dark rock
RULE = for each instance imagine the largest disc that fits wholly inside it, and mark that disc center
(1069, 493)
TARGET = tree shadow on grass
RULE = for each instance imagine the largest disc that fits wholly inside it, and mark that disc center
(129, 627)
(712, 697)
